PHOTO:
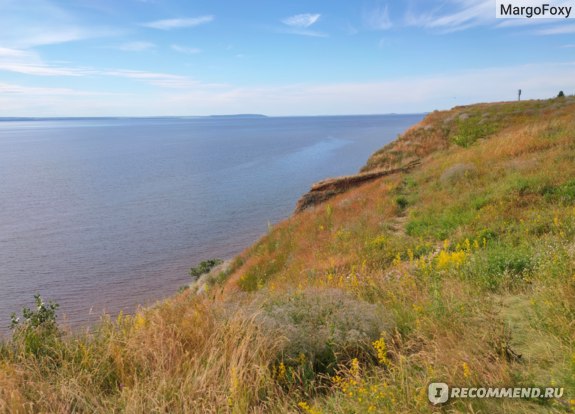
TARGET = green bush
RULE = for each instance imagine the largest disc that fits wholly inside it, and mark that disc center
(204, 267)
(471, 129)
(37, 332)
(402, 202)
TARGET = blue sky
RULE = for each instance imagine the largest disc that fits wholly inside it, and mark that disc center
(291, 57)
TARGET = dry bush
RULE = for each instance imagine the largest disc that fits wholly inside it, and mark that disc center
(328, 326)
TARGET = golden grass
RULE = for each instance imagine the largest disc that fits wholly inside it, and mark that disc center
(475, 273)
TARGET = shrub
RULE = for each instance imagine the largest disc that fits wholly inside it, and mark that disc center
(37, 332)
(204, 267)
(470, 130)
(326, 326)
(402, 202)
(458, 172)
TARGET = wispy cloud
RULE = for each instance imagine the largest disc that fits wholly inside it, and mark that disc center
(30, 63)
(301, 20)
(15, 53)
(180, 23)
(185, 50)
(453, 15)
(378, 18)
(136, 46)
(39, 69)
(164, 80)
(558, 30)
(6, 88)
(42, 22)
(430, 92)
(300, 24)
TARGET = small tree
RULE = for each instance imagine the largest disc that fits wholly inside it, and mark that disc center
(38, 331)
(561, 94)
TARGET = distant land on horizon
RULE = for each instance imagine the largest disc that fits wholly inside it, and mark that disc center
(79, 118)
(232, 116)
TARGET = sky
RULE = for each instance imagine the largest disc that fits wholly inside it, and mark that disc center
(279, 58)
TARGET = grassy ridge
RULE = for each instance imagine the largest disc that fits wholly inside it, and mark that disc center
(460, 271)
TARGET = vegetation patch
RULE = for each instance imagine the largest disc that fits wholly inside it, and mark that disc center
(327, 327)
(204, 267)
(501, 265)
(469, 129)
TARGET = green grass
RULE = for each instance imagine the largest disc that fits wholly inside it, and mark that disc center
(357, 305)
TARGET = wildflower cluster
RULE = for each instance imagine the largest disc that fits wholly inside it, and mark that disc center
(447, 260)
(305, 407)
(362, 393)
(454, 259)
(381, 349)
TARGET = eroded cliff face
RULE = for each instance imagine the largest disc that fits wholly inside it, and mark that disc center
(326, 189)
(461, 126)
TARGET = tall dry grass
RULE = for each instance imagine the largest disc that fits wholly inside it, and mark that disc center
(358, 304)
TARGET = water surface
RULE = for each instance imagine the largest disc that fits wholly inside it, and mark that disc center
(105, 214)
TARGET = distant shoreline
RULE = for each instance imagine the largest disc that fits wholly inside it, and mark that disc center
(184, 117)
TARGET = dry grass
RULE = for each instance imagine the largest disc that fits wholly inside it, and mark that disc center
(474, 279)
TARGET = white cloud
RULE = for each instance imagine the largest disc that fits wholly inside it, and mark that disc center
(300, 24)
(15, 53)
(164, 80)
(169, 24)
(403, 95)
(6, 88)
(406, 94)
(31, 23)
(39, 69)
(453, 15)
(136, 46)
(30, 63)
(186, 50)
(558, 30)
(378, 18)
(301, 20)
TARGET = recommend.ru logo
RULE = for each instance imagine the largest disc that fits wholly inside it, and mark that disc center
(439, 392)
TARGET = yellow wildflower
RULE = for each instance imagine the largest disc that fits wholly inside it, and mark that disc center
(466, 370)
(281, 371)
(381, 349)
(446, 260)
(139, 321)
(307, 409)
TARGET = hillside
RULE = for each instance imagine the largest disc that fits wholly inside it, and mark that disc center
(459, 269)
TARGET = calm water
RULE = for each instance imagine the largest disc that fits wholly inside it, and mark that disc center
(107, 214)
